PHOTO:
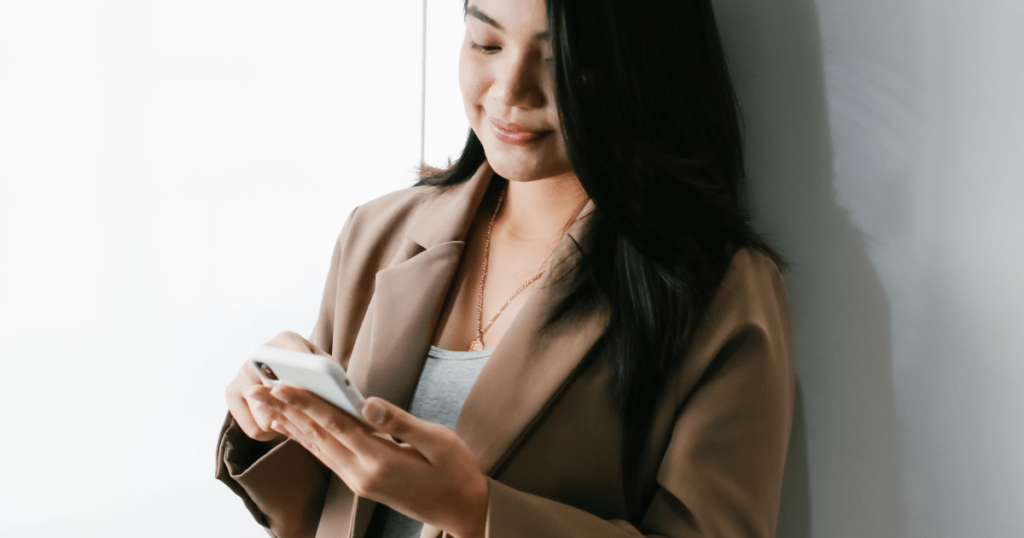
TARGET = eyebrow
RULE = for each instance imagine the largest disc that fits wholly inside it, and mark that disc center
(473, 11)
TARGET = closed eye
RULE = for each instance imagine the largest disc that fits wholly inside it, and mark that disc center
(486, 49)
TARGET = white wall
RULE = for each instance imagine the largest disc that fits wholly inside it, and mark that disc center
(446, 126)
(173, 176)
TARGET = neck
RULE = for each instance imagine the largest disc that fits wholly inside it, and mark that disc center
(540, 210)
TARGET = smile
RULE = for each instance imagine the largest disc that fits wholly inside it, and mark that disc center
(515, 134)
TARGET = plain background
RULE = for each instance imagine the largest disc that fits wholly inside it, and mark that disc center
(173, 176)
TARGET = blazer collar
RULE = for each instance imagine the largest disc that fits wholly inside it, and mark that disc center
(409, 293)
(526, 370)
(531, 365)
(450, 214)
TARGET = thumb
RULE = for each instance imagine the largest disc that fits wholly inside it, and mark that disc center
(425, 437)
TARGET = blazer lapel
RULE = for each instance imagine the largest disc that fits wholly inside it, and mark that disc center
(406, 302)
(529, 367)
(524, 374)
(407, 299)
(409, 294)
(527, 370)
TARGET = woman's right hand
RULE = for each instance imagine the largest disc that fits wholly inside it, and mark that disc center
(249, 413)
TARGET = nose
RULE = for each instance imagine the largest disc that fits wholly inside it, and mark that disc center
(518, 82)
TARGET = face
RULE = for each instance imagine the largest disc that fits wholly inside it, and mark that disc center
(506, 77)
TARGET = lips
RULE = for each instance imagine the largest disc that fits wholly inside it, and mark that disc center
(514, 133)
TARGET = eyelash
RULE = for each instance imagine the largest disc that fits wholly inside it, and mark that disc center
(491, 50)
(483, 49)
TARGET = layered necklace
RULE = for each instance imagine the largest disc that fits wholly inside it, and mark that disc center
(478, 344)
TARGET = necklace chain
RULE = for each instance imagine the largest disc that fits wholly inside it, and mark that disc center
(478, 344)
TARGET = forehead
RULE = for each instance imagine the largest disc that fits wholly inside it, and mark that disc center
(520, 17)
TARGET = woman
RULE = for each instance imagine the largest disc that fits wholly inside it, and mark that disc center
(620, 335)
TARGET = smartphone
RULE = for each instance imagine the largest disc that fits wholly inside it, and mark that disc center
(315, 373)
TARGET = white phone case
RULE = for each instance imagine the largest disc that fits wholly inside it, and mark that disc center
(315, 373)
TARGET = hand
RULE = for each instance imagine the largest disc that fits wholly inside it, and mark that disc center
(248, 413)
(431, 476)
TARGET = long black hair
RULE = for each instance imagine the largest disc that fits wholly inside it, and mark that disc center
(652, 130)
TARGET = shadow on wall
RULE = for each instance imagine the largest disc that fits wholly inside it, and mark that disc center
(843, 474)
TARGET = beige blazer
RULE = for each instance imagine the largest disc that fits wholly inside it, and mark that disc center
(539, 419)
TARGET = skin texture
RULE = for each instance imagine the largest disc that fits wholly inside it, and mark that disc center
(432, 476)
(253, 420)
(505, 74)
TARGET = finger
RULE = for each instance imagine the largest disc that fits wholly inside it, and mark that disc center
(313, 437)
(261, 403)
(428, 438)
(360, 472)
(370, 464)
(280, 425)
(239, 408)
(261, 394)
(295, 342)
(350, 431)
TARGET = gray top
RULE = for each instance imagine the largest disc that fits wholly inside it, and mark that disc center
(442, 389)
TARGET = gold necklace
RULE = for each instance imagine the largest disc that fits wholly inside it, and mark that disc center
(478, 344)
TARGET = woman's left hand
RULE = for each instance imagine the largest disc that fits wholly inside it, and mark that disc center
(431, 476)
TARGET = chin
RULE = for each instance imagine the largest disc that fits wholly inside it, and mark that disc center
(521, 164)
(512, 169)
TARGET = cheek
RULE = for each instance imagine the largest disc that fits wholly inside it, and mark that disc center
(472, 78)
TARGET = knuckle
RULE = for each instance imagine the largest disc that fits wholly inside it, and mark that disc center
(398, 428)
(439, 435)
(451, 436)
(336, 425)
(251, 391)
(263, 421)
(289, 340)
(291, 336)
(438, 430)
(291, 396)
(313, 433)
(309, 445)
(257, 400)
(255, 409)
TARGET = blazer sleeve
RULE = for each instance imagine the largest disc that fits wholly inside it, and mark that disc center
(721, 474)
(282, 484)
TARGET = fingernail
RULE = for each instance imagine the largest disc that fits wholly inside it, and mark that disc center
(374, 412)
(276, 426)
